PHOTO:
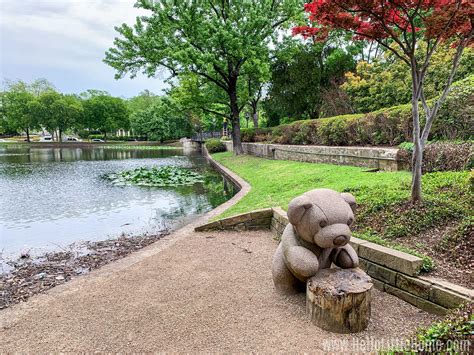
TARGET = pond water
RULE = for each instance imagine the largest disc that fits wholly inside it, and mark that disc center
(52, 197)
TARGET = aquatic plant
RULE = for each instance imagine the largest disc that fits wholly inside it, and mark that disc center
(155, 176)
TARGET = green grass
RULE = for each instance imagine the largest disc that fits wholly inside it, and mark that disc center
(276, 182)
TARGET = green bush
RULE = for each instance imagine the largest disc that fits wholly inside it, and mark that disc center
(442, 156)
(255, 134)
(448, 335)
(215, 145)
(390, 126)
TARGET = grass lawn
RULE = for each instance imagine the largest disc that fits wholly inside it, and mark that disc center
(384, 215)
(276, 182)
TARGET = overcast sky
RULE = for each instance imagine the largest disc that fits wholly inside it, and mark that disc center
(64, 41)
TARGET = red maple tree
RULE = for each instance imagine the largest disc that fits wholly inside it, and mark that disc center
(399, 25)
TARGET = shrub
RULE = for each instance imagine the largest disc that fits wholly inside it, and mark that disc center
(447, 335)
(455, 117)
(390, 126)
(255, 134)
(214, 145)
(442, 156)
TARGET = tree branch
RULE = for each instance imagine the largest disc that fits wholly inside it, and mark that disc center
(431, 114)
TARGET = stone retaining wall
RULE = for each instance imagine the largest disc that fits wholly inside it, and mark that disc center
(255, 220)
(368, 157)
(392, 271)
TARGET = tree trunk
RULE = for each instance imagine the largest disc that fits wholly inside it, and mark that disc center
(417, 158)
(105, 136)
(60, 135)
(255, 119)
(235, 118)
(338, 300)
(28, 134)
(254, 105)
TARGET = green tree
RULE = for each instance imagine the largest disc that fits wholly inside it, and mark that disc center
(160, 121)
(142, 101)
(40, 86)
(17, 107)
(304, 74)
(105, 113)
(205, 105)
(387, 82)
(215, 40)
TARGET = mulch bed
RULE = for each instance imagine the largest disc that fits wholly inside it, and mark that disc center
(452, 263)
(28, 277)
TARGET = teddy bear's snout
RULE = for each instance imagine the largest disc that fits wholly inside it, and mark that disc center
(341, 240)
(337, 235)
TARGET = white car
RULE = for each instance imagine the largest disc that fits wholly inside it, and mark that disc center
(97, 140)
(71, 139)
(46, 139)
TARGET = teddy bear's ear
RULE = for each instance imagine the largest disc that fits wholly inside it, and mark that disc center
(350, 199)
(297, 208)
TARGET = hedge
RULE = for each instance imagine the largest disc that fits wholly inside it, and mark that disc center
(390, 126)
(214, 145)
(442, 156)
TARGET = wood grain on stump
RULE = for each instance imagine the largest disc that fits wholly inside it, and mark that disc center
(338, 300)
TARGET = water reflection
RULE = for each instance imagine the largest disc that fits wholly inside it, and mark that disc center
(55, 196)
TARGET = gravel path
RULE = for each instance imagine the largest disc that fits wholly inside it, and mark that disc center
(188, 293)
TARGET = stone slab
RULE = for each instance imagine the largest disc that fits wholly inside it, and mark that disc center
(264, 222)
(446, 298)
(379, 272)
(280, 215)
(355, 242)
(463, 291)
(209, 227)
(263, 213)
(393, 259)
(379, 285)
(416, 301)
(413, 285)
(231, 221)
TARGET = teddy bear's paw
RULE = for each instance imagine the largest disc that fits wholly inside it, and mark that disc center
(346, 258)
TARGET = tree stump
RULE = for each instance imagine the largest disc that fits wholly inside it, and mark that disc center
(338, 300)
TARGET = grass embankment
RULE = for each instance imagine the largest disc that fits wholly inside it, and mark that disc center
(384, 215)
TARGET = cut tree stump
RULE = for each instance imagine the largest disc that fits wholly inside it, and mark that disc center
(338, 300)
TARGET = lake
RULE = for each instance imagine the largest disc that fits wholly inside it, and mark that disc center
(52, 197)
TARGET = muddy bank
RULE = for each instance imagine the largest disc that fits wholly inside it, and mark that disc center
(29, 276)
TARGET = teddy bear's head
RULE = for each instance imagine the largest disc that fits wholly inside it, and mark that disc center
(323, 217)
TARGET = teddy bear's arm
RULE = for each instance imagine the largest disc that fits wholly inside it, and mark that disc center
(301, 261)
(345, 257)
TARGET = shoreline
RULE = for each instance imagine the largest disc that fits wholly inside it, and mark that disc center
(124, 260)
(30, 276)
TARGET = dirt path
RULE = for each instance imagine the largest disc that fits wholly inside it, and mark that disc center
(193, 292)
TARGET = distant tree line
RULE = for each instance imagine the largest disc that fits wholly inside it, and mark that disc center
(38, 106)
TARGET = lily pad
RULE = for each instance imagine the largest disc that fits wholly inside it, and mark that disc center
(155, 176)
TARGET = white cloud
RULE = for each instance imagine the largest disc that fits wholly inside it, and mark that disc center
(65, 41)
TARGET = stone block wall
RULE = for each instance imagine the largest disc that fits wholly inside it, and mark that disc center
(368, 157)
(255, 220)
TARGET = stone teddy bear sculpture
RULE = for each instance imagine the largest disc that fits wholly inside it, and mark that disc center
(317, 235)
